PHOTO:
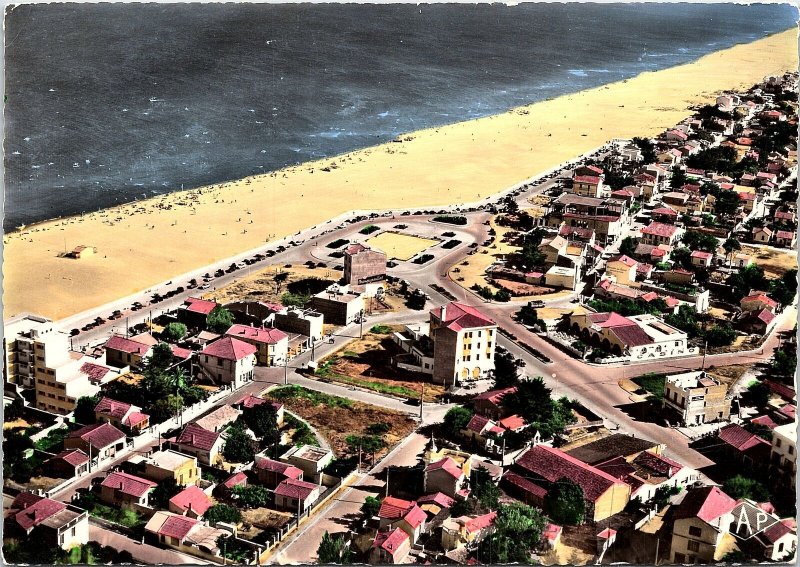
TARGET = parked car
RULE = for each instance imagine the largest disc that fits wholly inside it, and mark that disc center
(205, 286)
(74, 332)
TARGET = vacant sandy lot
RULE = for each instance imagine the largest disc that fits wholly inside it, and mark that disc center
(143, 243)
(400, 246)
(774, 262)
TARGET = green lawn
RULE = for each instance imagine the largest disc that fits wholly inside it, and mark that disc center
(294, 392)
(381, 329)
(653, 383)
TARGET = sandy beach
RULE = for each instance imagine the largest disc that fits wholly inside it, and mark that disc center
(142, 243)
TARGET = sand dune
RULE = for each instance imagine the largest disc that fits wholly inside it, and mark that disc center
(143, 243)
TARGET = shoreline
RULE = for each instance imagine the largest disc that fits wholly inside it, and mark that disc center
(447, 165)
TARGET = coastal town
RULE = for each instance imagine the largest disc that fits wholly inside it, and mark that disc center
(594, 366)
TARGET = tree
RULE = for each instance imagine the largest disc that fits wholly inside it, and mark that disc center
(457, 419)
(262, 420)
(518, 529)
(238, 446)
(784, 289)
(279, 279)
(742, 487)
(700, 241)
(532, 400)
(223, 513)
(219, 320)
(366, 443)
(727, 203)
(784, 362)
(647, 148)
(502, 296)
(759, 393)
(628, 246)
(84, 409)
(174, 332)
(159, 360)
(721, 334)
(334, 550)
(252, 496)
(485, 492)
(528, 315)
(565, 502)
(730, 246)
(370, 506)
(163, 492)
(747, 279)
(678, 179)
(506, 368)
(685, 320)
(165, 408)
(531, 255)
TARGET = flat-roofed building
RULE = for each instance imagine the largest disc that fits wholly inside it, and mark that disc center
(696, 398)
(363, 265)
(310, 460)
(339, 305)
(464, 341)
(166, 464)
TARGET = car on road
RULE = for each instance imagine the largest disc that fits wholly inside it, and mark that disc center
(205, 286)
(74, 332)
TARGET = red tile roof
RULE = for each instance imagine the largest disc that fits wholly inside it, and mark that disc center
(415, 517)
(609, 319)
(99, 435)
(658, 463)
(552, 531)
(590, 179)
(264, 335)
(297, 489)
(776, 531)
(195, 436)
(552, 465)
(478, 423)
(665, 211)
(192, 498)
(285, 469)
(74, 457)
(112, 408)
(439, 498)
(238, 479)
(122, 344)
(740, 439)
(177, 527)
(460, 316)
(764, 420)
(512, 422)
(760, 297)
(660, 229)
(702, 255)
(180, 352)
(495, 396)
(197, 305)
(228, 348)
(390, 541)
(128, 484)
(446, 464)
(627, 260)
(32, 510)
(95, 372)
(135, 418)
(707, 503)
(394, 508)
(525, 485)
(480, 522)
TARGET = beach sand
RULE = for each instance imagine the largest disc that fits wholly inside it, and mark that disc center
(146, 242)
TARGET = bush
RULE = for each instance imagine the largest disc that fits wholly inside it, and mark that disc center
(338, 243)
(223, 513)
(369, 229)
(174, 332)
(381, 329)
(451, 244)
(451, 219)
(424, 259)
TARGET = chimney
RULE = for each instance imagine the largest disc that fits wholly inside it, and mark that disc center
(444, 312)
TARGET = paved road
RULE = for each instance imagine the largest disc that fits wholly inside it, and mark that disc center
(142, 552)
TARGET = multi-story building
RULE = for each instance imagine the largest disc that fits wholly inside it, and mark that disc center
(701, 532)
(46, 522)
(696, 398)
(272, 344)
(464, 341)
(605, 217)
(21, 333)
(228, 361)
(784, 449)
(58, 388)
(339, 305)
(363, 265)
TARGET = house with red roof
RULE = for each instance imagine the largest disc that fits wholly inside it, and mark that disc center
(67, 464)
(271, 473)
(590, 186)
(744, 447)
(123, 490)
(201, 443)
(659, 233)
(604, 494)
(701, 532)
(755, 322)
(762, 234)
(121, 414)
(191, 502)
(701, 259)
(786, 238)
(45, 522)
(228, 361)
(101, 440)
(444, 476)
(194, 312)
(434, 504)
(121, 352)
(389, 547)
(464, 341)
(648, 472)
(272, 344)
(467, 530)
(296, 495)
(757, 302)
(622, 270)
(490, 403)
(186, 534)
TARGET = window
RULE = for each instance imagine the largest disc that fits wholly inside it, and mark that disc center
(777, 441)
(791, 450)
(73, 532)
(680, 558)
(695, 531)
(693, 546)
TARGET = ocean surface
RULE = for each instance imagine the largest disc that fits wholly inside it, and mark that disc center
(107, 103)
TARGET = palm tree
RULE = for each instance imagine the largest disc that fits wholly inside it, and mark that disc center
(279, 278)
